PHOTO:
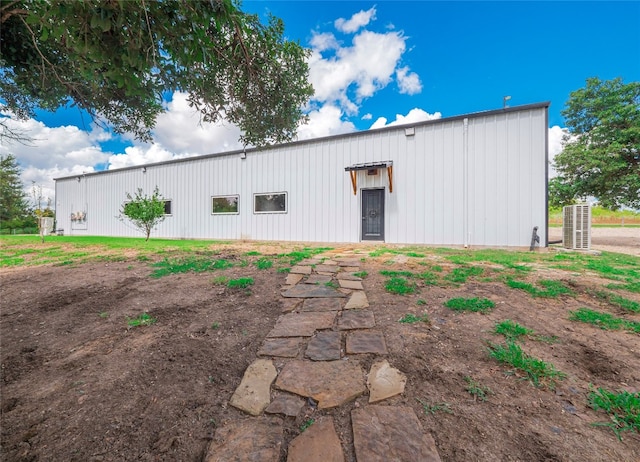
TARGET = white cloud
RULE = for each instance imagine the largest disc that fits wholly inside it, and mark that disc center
(180, 131)
(363, 68)
(413, 116)
(367, 116)
(323, 41)
(556, 135)
(358, 20)
(324, 122)
(408, 82)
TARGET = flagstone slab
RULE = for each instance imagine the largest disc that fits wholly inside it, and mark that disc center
(357, 300)
(350, 269)
(327, 268)
(299, 269)
(290, 304)
(321, 304)
(330, 262)
(356, 319)
(310, 262)
(324, 346)
(288, 405)
(293, 279)
(287, 347)
(330, 383)
(348, 277)
(302, 324)
(367, 341)
(354, 285)
(317, 279)
(254, 392)
(311, 291)
(318, 443)
(347, 262)
(384, 381)
(251, 440)
(382, 433)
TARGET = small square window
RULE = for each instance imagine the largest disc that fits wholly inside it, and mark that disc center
(167, 207)
(224, 205)
(270, 203)
(372, 171)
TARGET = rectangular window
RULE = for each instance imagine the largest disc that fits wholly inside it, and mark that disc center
(224, 205)
(167, 207)
(270, 203)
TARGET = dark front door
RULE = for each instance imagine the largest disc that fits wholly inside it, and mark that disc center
(373, 214)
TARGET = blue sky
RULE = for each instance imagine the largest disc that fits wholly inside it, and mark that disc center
(377, 63)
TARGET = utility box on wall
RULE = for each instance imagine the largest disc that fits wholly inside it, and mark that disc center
(576, 227)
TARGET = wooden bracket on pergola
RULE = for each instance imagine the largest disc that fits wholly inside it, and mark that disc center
(353, 171)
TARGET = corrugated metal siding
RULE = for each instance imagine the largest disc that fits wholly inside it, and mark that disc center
(482, 184)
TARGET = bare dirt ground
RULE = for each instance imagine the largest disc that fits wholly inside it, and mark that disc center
(81, 386)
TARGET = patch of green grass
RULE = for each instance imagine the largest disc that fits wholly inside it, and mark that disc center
(537, 371)
(284, 270)
(188, 264)
(252, 253)
(429, 278)
(215, 325)
(604, 321)
(331, 284)
(307, 252)
(505, 258)
(477, 390)
(511, 330)
(551, 288)
(623, 409)
(461, 274)
(400, 286)
(263, 264)
(145, 319)
(476, 305)
(361, 274)
(616, 300)
(220, 280)
(240, 283)
(631, 287)
(307, 423)
(421, 302)
(433, 408)
(143, 258)
(624, 303)
(409, 252)
(103, 314)
(411, 318)
(390, 273)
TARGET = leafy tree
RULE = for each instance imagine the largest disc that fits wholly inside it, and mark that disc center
(14, 206)
(117, 58)
(601, 154)
(145, 212)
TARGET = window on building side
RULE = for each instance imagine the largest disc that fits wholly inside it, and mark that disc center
(167, 207)
(270, 203)
(221, 205)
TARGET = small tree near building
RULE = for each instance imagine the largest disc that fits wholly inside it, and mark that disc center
(145, 212)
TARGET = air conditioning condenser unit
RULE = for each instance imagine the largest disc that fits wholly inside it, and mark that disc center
(576, 227)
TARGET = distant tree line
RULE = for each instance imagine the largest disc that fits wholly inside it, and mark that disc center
(17, 212)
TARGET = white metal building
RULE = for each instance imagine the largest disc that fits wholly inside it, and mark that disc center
(472, 180)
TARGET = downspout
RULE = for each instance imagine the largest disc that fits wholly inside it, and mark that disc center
(465, 182)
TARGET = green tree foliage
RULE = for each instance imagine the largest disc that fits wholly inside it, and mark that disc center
(145, 212)
(117, 58)
(601, 155)
(14, 206)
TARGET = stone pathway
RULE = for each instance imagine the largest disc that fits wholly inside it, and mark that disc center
(326, 325)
